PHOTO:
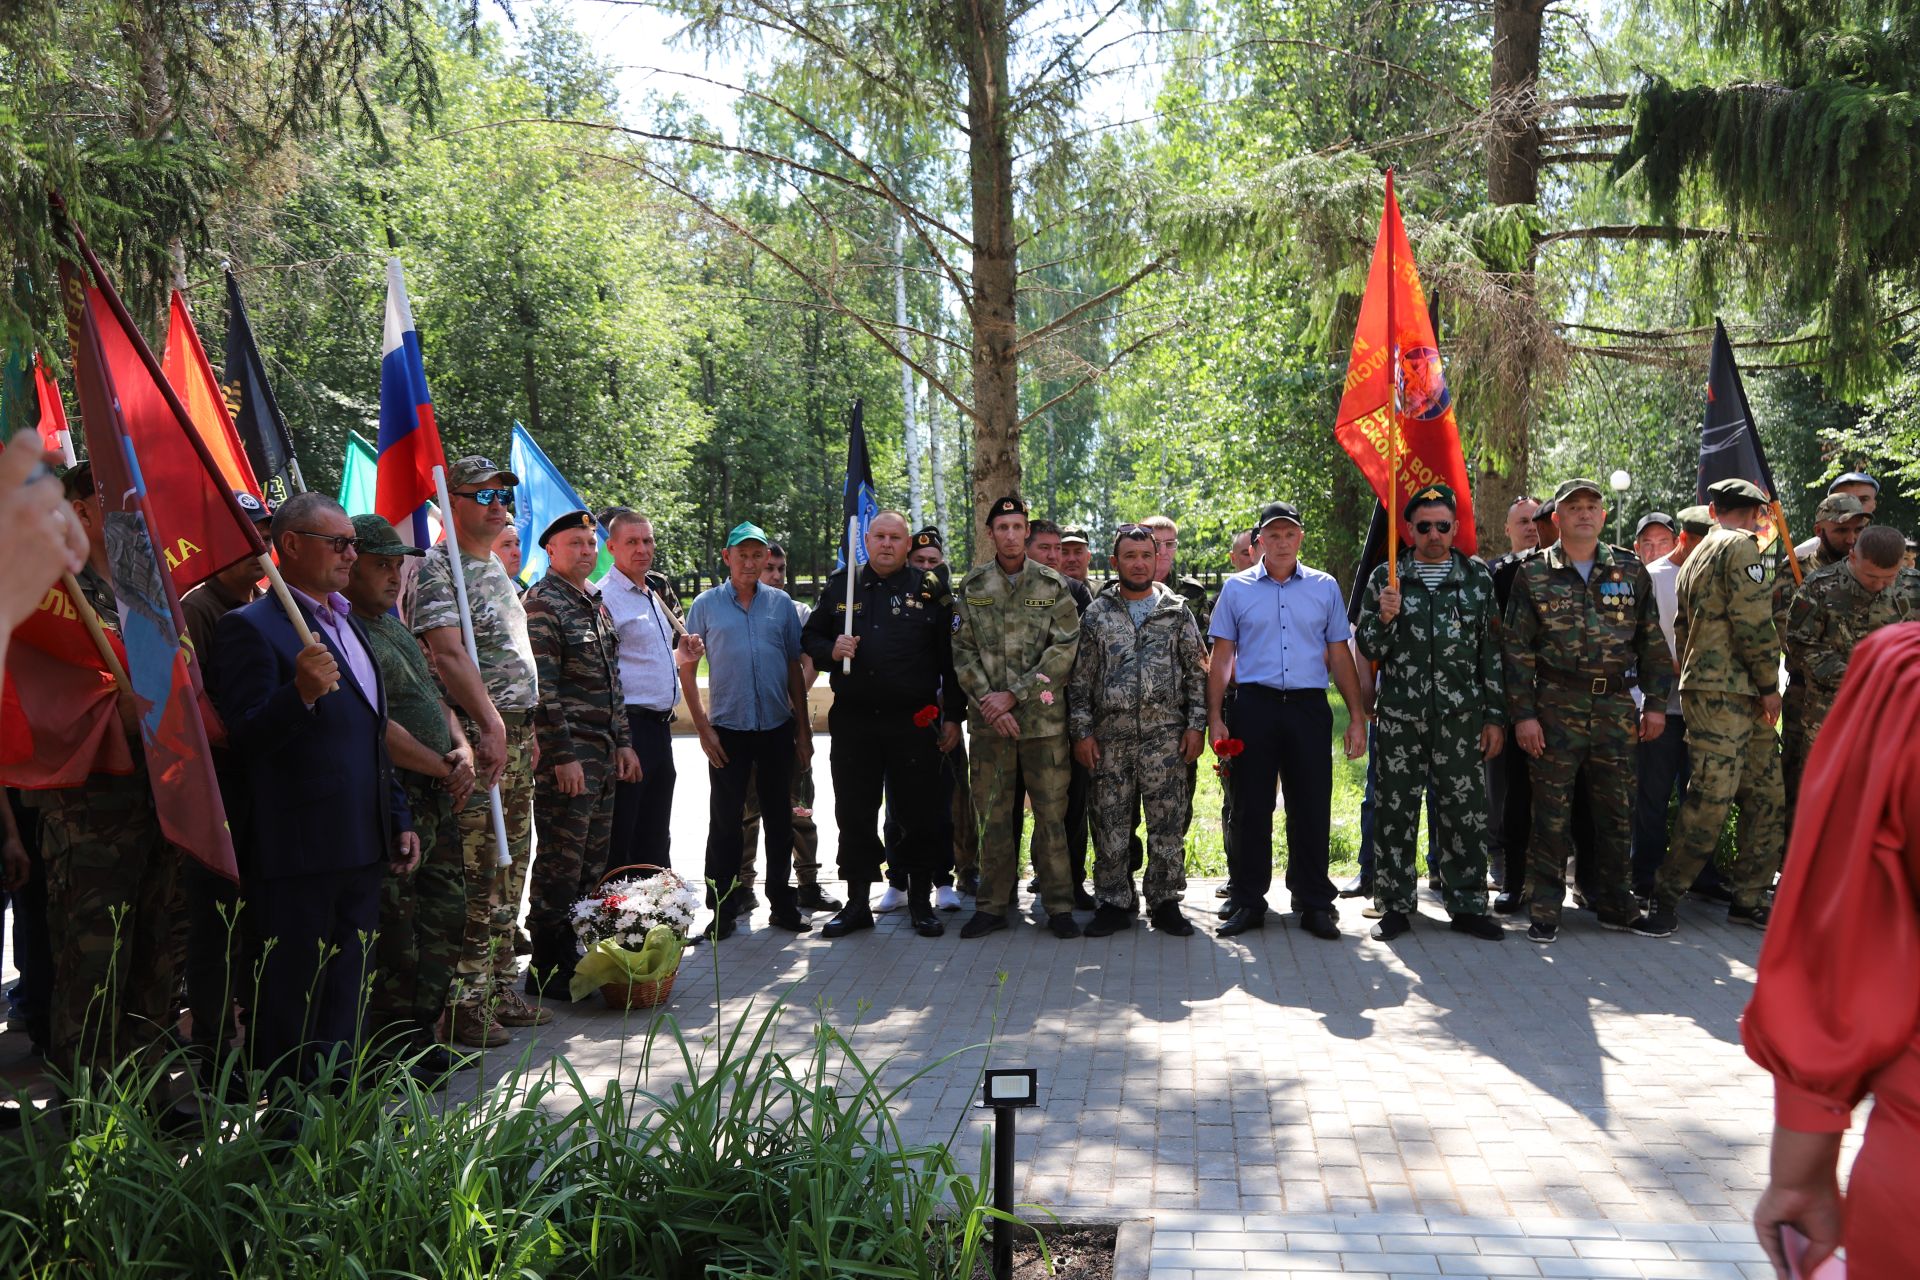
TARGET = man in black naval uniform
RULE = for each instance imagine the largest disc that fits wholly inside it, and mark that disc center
(887, 722)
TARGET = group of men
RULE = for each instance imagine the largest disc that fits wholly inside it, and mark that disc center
(399, 777)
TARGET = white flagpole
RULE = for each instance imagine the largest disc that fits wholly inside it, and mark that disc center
(452, 536)
(853, 571)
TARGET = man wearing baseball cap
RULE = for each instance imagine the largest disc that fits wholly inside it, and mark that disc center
(1729, 657)
(1654, 536)
(1279, 631)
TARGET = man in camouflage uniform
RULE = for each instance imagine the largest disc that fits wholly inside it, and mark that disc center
(1137, 713)
(1837, 524)
(1833, 611)
(496, 700)
(1729, 658)
(110, 874)
(1015, 629)
(423, 915)
(581, 726)
(1580, 619)
(1439, 715)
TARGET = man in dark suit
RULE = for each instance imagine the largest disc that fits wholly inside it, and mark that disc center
(308, 726)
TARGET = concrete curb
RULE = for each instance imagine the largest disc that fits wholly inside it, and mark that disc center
(1133, 1249)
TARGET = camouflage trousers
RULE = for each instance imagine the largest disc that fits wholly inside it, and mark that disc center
(423, 922)
(806, 836)
(110, 886)
(1735, 760)
(1143, 770)
(1437, 759)
(966, 825)
(576, 835)
(487, 953)
(1595, 732)
(1043, 765)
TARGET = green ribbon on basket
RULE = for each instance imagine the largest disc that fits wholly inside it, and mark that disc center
(607, 961)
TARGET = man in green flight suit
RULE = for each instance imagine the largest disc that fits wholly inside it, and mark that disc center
(1440, 715)
(1015, 634)
(1729, 658)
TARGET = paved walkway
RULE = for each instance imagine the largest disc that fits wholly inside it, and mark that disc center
(1276, 1103)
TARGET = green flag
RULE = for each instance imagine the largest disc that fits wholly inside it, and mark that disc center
(357, 475)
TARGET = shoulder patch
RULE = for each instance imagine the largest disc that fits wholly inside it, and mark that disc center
(1757, 572)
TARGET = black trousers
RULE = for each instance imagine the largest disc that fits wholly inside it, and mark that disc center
(1288, 737)
(32, 995)
(216, 970)
(1514, 817)
(316, 936)
(762, 758)
(883, 755)
(643, 810)
(949, 766)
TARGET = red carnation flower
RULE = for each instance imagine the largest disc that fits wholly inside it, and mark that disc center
(1228, 748)
(925, 716)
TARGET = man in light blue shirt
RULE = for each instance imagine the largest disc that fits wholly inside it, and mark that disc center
(1279, 631)
(753, 726)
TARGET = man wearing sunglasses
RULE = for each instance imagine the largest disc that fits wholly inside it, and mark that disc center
(496, 699)
(1440, 715)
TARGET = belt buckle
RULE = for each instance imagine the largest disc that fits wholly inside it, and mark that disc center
(1599, 686)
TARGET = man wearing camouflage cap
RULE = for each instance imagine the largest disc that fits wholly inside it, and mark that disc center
(585, 747)
(1016, 632)
(422, 915)
(496, 699)
(1440, 714)
(1581, 617)
(1729, 656)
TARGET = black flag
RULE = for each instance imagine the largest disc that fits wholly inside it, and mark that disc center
(1372, 556)
(861, 504)
(263, 432)
(1730, 446)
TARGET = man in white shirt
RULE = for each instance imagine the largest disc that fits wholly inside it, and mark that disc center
(647, 618)
(1661, 766)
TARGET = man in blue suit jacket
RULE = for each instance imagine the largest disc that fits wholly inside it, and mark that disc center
(307, 726)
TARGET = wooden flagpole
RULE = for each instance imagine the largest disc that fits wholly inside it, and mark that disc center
(1393, 409)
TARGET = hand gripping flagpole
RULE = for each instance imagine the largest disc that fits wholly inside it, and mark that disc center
(503, 858)
(853, 571)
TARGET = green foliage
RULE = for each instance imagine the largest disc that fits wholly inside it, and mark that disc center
(730, 1158)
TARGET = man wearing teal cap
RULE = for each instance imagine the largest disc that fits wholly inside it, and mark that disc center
(753, 725)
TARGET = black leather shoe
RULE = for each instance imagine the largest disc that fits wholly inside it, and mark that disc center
(848, 920)
(1506, 904)
(744, 903)
(722, 927)
(925, 922)
(1321, 923)
(1362, 887)
(1241, 920)
(1062, 925)
(1168, 919)
(1108, 920)
(790, 919)
(1391, 926)
(1224, 889)
(1226, 909)
(982, 924)
(1486, 928)
(814, 898)
(1082, 900)
(549, 981)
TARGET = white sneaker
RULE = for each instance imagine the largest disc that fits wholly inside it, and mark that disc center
(946, 898)
(892, 900)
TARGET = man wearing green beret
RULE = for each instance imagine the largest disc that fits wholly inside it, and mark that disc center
(1729, 657)
(585, 747)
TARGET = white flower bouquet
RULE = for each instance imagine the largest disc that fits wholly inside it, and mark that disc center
(624, 911)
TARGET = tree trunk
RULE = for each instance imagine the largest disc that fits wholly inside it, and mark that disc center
(910, 435)
(1513, 177)
(935, 462)
(532, 379)
(996, 373)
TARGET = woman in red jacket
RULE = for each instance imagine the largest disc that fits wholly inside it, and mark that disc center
(1836, 1011)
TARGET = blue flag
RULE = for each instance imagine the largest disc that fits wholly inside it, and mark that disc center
(860, 500)
(542, 496)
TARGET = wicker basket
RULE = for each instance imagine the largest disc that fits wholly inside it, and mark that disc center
(637, 995)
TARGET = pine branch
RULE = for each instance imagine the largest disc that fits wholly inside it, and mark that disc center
(1587, 102)
(1065, 318)
(1095, 374)
(1645, 231)
(1579, 157)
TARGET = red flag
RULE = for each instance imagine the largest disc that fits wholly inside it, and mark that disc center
(130, 415)
(191, 378)
(59, 716)
(1429, 440)
(54, 436)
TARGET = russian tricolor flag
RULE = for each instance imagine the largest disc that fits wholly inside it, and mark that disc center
(409, 440)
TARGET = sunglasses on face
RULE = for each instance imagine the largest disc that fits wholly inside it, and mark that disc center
(487, 497)
(1433, 526)
(340, 543)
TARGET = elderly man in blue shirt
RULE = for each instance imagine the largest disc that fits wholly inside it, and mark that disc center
(1279, 630)
(754, 725)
